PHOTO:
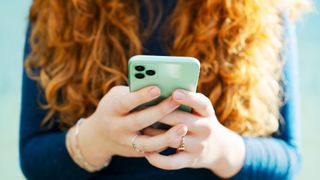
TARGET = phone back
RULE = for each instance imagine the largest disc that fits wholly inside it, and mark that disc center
(166, 72)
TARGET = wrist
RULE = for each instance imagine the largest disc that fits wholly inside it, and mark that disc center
(85, 149)
(93, 146)
(231, 154)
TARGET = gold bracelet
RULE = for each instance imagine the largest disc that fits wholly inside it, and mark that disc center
(75, 151)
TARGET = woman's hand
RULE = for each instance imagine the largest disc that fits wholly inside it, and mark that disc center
(208, 144)
(110, 129)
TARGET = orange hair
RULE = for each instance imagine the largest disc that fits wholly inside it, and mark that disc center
(80, 50)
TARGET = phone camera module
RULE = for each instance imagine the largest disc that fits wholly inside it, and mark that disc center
(139, 76)
(139, 68)
(150, 72)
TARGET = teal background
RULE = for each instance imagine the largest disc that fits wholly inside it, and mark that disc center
(13, 19)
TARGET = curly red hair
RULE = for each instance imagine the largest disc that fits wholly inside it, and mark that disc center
(80, 50)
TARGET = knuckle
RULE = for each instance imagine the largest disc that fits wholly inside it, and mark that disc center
(141, 95)
(106, 101)
(139, 124)
(120, 104)
(173, 141)
(204, 106)
(207, 108)
(202, 96)
(143, 146)
(206, 130)
(116, 89)
(191, 96)
(206, 103)
(163, 110)
(201, 146)
(199, 95)
(113, 89)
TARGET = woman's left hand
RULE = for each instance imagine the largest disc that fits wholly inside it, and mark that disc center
(208, 144)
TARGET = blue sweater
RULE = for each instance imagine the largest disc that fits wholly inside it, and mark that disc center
(43, 154)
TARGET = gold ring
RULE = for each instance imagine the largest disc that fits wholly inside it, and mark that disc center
(134, 146)
(182, 145)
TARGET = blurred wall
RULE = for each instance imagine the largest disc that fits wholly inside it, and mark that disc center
(309, 63)
(13, 19)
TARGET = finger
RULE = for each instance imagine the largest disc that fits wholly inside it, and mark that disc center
(191, 142)
(153, 131)
(197, 101)
(125, 103)
(170, 138)
(141, 119)
(192, 145)
(171, 162)
(180, 117)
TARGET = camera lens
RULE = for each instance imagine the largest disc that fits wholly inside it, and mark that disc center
(150, 72)
(139, 76)
(139, 68)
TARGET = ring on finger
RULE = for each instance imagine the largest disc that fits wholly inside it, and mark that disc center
(134, 145)
(182, 146)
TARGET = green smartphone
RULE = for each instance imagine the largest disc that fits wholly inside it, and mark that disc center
(166, 72)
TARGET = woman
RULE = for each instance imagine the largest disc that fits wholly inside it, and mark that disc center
(76, 119)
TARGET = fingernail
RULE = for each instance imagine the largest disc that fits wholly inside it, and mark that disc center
(182, 131)
(179, 95)
(154, 91)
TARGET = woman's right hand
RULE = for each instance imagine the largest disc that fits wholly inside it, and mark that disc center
(110, 129)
